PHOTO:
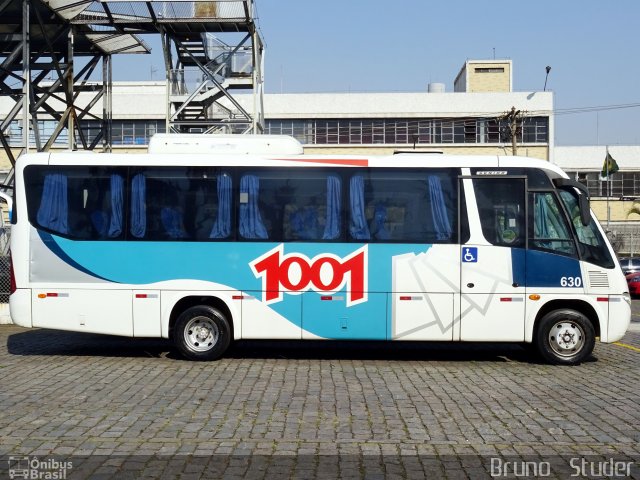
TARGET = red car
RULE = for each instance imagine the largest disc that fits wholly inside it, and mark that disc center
(633, 280)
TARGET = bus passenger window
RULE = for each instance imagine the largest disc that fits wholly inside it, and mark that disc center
(211, 199)
(296, 205)
(413, 206)
(84, 203)
(157, 206)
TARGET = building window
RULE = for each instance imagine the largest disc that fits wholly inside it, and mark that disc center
(405, 131)
(489, 70)
(124, 132)
(135, 132)
(618, 185)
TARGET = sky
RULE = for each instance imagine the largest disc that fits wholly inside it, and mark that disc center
(403, 45)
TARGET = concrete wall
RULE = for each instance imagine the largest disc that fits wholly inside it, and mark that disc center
(618, 210)
(400, 105)
(470, 80)
(591, 158)
(147, 100)
(489, 81)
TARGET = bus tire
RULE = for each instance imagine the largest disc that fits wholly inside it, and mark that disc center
(202, 333)
(565, 337)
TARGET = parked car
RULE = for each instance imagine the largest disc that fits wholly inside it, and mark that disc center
(630, 264)
(633, 280)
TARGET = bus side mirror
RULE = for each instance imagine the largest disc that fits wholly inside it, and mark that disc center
(585, 215)
(583, 197)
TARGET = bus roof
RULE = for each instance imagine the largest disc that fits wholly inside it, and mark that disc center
(402, 160)
(224, 144)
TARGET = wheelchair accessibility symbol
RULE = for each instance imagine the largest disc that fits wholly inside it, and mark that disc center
(469, 254)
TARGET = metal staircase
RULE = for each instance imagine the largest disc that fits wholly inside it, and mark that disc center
(203, 86)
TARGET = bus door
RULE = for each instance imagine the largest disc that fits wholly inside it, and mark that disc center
(492, 261)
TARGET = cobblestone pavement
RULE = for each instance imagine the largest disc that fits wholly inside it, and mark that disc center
(126, 408)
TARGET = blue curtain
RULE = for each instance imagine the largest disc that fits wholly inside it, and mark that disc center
(358, 228)
(251, 225)
(439, 209)
(222, 226)
(117, 205)
(54, 209)
(138, 206)
(332, 226)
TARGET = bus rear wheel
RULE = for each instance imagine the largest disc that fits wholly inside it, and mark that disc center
(565, 337)
(202, 333)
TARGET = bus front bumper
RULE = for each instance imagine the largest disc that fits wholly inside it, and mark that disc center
(619, 318)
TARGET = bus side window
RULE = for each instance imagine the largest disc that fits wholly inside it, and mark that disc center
(501, 208)
(414, 206)
(547, 225)
(84, 203)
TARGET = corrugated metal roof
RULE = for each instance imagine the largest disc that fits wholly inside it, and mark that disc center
(127, 11)
(111, 43)
(66, 9)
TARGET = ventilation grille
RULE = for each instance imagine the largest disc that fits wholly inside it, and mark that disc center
(598, 280)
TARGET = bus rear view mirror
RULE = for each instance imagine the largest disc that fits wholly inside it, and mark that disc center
(583, 196)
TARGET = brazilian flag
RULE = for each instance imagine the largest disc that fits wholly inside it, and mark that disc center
(610, 166)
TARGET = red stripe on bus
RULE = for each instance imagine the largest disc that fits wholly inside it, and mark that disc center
(506, 299)
(52, 294)
(406, 298)
(324, 161)
(237, 297)
(141, 295)
(327, 297)
(603, 299)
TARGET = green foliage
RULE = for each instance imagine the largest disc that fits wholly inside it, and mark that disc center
(634, 209)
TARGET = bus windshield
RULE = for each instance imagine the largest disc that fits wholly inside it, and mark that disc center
(591, 245)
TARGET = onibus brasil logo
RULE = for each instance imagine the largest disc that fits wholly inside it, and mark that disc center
(326, 273)
(33, 468)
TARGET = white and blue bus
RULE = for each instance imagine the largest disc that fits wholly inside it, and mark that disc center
(254, 240)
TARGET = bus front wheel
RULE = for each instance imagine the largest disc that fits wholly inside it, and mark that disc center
(565, 337)
(202, 333)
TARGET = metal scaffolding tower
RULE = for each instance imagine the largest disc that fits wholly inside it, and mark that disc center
(49, 50)
(45, 63)
(212, 51)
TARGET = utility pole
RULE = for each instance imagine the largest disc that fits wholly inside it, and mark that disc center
(514, 118)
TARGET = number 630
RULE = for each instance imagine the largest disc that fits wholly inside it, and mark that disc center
(571, 282)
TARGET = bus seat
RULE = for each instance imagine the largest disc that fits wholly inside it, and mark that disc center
(204, 219)
(378, 224)
(100, 222)
(302, 223)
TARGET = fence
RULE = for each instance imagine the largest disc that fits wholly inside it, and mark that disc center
(5, 279)
(625, 238)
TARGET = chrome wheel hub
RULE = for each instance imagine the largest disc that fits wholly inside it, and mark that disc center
(566, 338)
(201, 334)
